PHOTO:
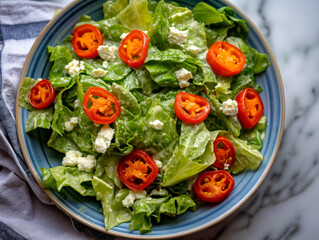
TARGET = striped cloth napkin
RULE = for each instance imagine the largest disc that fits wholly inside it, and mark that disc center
(25, 210)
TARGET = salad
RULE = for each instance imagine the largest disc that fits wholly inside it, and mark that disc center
(153, 109)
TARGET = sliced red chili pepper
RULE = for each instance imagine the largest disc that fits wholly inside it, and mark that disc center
(86, 40)
(133, 48)
(250, 108)
(224, 153)
(213, 186)
(191, 108)
(42, 94)
(225, 59)
(137, 170)
(101, 106)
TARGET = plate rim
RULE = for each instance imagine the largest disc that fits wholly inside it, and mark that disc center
(119, 234)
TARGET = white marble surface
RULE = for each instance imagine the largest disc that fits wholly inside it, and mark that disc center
(286, 204)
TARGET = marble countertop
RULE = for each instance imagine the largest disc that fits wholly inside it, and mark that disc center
(286, 204)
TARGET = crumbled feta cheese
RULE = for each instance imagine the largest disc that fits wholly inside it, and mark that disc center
(97, 73)
(159, 164)
(87, 163)
(229, 107)
(76, 103)
(129, 200)
(176, 36)
(183, 75)
(75, 67)
(39, 79)
(107, 52)
(105, 64)
(73, 158)
(157, 124)
(192, 48)
(103, 139)
(70, 125)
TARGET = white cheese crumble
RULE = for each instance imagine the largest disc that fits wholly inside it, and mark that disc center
(103, 139)
(74, 158)
(105, 64)
(159, 164)
(107, 52)
(176, 36)
(76, 103)
(183, 75)
(70, 125)
(75, 67)
(97, 73)
(157, 124)
(229, 107)
(192, 48)
(129, 200)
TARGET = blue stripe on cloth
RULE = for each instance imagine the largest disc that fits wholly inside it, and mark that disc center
(8, 233)
(16, 32)
(22, 31)
(6, 118)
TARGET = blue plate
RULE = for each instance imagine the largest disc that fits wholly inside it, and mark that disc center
(38, 155)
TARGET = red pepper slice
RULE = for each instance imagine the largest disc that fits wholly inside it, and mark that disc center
(86, 40)
(101, 106)
(191, 108)
(133, 48)
(250, 108)
(225, 59)
(42, 94)
(224, 152)
(213, 186)
(137, 170)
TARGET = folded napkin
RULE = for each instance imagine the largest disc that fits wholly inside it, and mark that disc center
(25, 210)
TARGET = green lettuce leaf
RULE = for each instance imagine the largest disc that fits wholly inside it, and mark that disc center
(225, 122)
(193, 139)
(160, 27)
(143, 210)
(136, 15)
(184, 163)
(60, 56)
(39, 118)
(114, 214)
(149, 139)
(126, 99)
(113, 7)
(206, 14)
(58, 177)
(177, 205)
(24, 92)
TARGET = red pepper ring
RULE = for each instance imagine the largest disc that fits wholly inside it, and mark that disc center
(250, 108)
(101, 106)
(224, 153)
(42, 94)
(134, 48)
(190, 108)
(225, 59)
(137, 170)
(213, 186)
(86, 40)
